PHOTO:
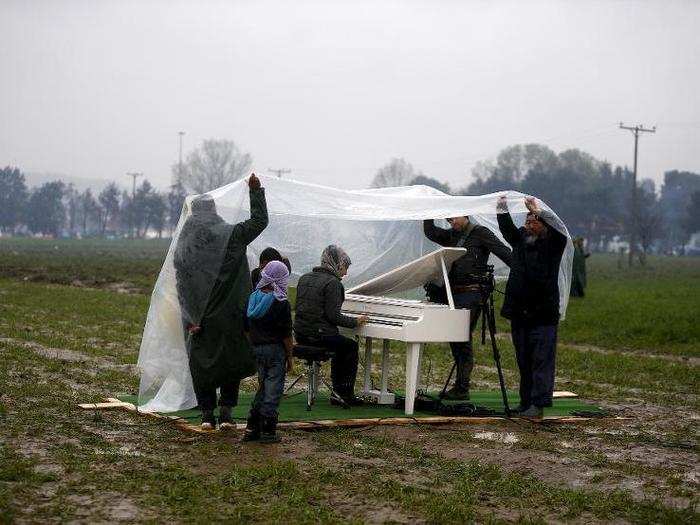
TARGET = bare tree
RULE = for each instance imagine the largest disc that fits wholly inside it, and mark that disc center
(109, 206)
(649, 221)
(215, 163)
(90, 212)
(397, 172)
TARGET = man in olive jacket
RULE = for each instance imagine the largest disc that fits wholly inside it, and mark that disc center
(213, 286)
(320, 296)
(479, 242)
(532, 301)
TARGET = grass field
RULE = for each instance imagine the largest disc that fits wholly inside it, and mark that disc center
(69, 334)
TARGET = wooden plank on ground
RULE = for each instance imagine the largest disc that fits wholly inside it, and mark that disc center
(102, 406)
(562, 394)
(112, 403)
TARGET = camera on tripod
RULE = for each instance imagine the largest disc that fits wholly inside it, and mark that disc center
(483, 276)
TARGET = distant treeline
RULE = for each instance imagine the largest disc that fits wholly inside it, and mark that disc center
(591, 196)
(57, 209)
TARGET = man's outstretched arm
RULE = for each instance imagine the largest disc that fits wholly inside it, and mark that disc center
(496, 247)
(258, 221)
(435, 234)
(505, 222)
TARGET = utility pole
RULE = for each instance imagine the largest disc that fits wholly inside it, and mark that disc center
(636, 130)
(179, 164)
(134, 176)
(279, 172)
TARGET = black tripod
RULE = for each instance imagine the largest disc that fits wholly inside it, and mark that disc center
(486, 284)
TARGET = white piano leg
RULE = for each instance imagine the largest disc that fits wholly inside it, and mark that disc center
(412, 361)
(368, 365)
(420, 367)
(385, 367)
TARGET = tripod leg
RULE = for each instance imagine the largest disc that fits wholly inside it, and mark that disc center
(489, 311)
(449, 378)
(293, 383)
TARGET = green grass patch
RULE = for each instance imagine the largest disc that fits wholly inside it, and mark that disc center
(653, 308)
(93, 262)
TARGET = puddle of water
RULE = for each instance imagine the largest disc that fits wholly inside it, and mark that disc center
(503, 437)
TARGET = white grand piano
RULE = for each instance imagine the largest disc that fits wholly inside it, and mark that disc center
(414, 322)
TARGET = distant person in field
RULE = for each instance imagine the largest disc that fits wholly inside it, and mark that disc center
(213, 286)
(479, 242)
(270, 330)
(320, 296)
(532, 301)
(267, 255)
(578, 270)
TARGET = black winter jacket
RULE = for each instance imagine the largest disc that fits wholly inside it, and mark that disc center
(320, 296)
(479, 242)
(532, 291)
(273, 327)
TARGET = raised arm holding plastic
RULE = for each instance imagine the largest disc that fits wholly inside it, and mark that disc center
(251, 228)
(505, 222)
(437, 235)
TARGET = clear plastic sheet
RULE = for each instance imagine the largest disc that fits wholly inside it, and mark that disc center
(380, 229)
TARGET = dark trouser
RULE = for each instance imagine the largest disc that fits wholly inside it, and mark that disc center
(462, 351)
(206, 396)
(343, 364)
(271, 361)
(576, 288)
(535, 350)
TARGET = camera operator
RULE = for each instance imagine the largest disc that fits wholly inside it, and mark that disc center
(464, 275)
(532, 301)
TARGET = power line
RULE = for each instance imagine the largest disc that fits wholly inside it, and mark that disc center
(134, 176)
(636, 130)
(179, 162)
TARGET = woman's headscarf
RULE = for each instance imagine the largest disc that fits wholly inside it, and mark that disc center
(335, 259)
(276, 274)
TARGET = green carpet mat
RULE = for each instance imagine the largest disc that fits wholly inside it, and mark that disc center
(293, 408)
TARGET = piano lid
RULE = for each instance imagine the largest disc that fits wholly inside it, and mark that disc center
(411, 275)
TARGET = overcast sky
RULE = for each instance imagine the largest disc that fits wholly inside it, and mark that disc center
(332, 90)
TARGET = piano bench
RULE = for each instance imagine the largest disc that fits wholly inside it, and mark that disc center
(312, 353)
(314, 356)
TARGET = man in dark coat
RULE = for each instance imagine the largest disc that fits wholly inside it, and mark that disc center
(532, 301)
(578, 269)
(320, 296)
(213, 286)
(479, 242)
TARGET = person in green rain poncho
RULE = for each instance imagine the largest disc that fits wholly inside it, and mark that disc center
(578, 270)
(213, 286)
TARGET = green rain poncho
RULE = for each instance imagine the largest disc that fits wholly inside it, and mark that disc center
(213, 285)
(578, 271)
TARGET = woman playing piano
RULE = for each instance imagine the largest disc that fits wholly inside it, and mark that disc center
(320, 296)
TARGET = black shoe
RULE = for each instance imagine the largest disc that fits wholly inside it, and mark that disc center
(533, 412)
(347, 394)
(268, 432)
(457, 394)
(338, 402)
(353, 401)
(208, 420)
(517, 410)
(225, 420)
(252, 428)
